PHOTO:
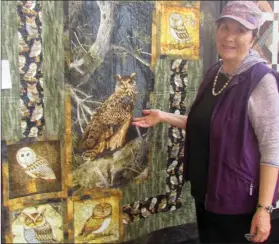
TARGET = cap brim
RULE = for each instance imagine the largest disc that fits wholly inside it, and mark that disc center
(241, 21)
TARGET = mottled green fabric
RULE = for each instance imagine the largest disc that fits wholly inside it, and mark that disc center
(53, 67)
(10, 113)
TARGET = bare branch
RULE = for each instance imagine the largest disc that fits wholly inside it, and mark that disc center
(132, 53)
(80, 43)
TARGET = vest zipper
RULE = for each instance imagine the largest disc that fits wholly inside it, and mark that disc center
(251, 189)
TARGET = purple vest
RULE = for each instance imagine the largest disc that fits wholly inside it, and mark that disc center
(233, 180)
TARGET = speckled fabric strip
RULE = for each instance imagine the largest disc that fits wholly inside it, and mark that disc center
(30, 67)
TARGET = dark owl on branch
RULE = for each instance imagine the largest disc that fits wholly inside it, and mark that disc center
(108, 127)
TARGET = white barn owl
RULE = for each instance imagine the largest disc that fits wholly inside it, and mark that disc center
(34, 165)
(177, 28)
(36, 228)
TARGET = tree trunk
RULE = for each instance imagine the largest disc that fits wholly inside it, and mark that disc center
(97, 52)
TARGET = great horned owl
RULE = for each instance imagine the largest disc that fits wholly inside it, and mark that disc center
(34, 165)
(36, 227)
(177, 28)
(109, 125)
(99, 221)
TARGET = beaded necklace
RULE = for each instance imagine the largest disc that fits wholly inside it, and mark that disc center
(214, 93)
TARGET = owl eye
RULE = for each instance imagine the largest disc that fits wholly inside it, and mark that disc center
(22, 155)
(28, 154)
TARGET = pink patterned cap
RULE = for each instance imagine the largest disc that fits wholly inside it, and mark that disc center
(246, 13)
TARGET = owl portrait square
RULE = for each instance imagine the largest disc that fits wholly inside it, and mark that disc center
(180, 31)
(34, 168)
(38, 224)
(97, 221)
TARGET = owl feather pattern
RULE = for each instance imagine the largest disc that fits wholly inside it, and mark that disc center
(99, 221)
(34, 165)
(108, 127)
(36, 228)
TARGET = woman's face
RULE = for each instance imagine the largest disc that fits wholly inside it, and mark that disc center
(233, 40)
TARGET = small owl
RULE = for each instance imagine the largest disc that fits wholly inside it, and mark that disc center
(34, 165)
(33, 132)
(31, 27)
(144, 212)
(41, 80)
(22, 61)
(178, 29)
(172, 197)
(108, 127)
(36, 227)
(172, 166)
(23, 124)
(176, 64)
(30, 74)
(178, 80)
(36, 50)
(176, 133)
(152, 204)
(176, 100)
(173, 180)
(32, 93)
(135, 208)
(99, 221)
(37, 113)
(162, 205)
(174, 150)
(23, 109)
(23, 47)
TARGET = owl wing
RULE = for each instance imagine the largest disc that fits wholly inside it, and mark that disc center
(108, 119)
(181, 32)
(44, 234)
(41, 169)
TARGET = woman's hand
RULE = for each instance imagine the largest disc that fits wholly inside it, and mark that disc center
(260, 226)
(152, 117)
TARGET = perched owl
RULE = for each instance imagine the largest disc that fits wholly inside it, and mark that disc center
(34, 165)
(172, 166)
(108, 127)
(23, 47)
(37, 113)
(36, 227)
(33, 132)
(99, 221)
(32, 93)
(22, 61)
(178, 80)
(41, 82)
(178, 29)
(144, 212)
(36, 50)
(162, 205)
(31, 27)
(30, 74)
(153, 204)
(23, 124)
(173, 180)
(23, 109)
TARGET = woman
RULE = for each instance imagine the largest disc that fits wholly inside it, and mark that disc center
(232, 142)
